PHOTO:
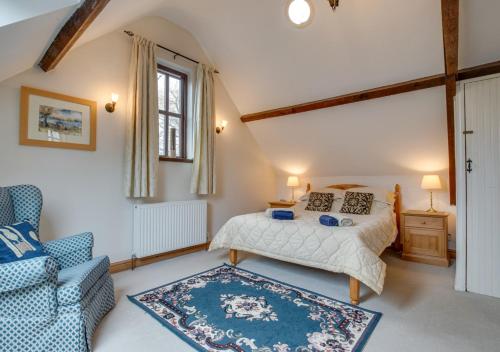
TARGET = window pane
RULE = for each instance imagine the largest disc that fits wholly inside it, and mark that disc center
(161, 129)
(174, 125)
(161, 91)
(174, 98)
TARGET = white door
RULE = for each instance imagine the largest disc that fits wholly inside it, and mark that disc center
(482, 125)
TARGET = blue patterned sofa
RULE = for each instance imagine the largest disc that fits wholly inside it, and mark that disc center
(50, 303)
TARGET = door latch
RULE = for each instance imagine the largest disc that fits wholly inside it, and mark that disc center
(468, 132)
(469, 165)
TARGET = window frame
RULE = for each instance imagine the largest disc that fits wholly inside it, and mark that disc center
(167, 71)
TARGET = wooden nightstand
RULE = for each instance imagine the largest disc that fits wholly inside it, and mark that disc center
(281, 204)
(425, 237)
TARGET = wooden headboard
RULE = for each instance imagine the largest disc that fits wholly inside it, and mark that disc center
(397, 205)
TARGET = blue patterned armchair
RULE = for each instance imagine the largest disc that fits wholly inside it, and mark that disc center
(50, 303)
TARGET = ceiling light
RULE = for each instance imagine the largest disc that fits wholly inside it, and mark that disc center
(299, 12)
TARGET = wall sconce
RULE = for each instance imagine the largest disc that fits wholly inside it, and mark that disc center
(220, 127)
(110, 107)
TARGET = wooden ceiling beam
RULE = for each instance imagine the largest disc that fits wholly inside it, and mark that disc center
(449, 14)
(422, 83)
(70, 32)
(375, 93)
(478, 71)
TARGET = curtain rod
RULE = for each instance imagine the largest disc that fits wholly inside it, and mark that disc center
(131, 34)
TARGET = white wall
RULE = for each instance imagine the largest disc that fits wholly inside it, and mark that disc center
(83, 190)
(379, 142)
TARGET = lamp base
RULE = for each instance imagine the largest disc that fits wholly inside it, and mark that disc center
(431, 209)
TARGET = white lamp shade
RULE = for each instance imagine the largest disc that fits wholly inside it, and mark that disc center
(293, 181)
(431, 182)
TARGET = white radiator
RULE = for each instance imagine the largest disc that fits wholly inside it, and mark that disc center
(165, 227)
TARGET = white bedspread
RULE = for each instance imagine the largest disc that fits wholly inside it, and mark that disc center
(351, 250)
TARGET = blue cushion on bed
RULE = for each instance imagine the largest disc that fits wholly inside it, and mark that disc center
(282, 215)
(328, 220)
(19, 241)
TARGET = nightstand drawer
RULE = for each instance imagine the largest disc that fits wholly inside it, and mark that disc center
(424, 222)
(426, 242)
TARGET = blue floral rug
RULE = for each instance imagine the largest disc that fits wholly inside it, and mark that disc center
(231, 309)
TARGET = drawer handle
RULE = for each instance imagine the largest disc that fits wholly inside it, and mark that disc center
(424, 222)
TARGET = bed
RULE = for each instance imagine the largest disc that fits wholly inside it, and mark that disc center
(354, 251)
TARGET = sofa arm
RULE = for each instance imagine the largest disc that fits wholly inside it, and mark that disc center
(72, 250)
(26, 273)
(28, 290)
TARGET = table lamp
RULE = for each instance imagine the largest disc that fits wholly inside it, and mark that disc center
(293, 182)
(431, 183)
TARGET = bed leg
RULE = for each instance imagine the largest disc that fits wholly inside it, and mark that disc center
(354, 290)
(233, 256)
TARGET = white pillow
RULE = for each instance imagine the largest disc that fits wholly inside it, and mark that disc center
(380, 207)
(337, 204)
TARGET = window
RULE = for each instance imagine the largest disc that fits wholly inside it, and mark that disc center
(172, 102)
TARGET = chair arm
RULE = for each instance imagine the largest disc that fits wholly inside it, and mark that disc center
(28, 291)
(26, 273)
(72, 250)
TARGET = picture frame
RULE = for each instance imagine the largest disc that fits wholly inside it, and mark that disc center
(54, 120)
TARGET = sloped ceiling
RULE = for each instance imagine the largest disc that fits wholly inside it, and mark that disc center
(20, 10)
(266, 62)
(479, 28)
(23, 42)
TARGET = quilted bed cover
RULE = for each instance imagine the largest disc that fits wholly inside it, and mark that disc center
(354, 250)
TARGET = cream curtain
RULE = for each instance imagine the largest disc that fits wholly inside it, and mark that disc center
(142, 139)
(203, 178)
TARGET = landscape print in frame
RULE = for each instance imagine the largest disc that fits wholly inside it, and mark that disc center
(55, 120)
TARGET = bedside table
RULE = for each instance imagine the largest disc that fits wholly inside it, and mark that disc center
(425, 237)
(281, 204)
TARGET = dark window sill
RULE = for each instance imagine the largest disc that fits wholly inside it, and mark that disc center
(176, 160)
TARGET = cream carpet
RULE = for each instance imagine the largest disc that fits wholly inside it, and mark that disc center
(421, 311)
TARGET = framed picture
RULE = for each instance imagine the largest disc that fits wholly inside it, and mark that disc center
(58, 121)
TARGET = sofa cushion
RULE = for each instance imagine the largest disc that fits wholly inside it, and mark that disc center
(7, 216)
(19, 241)
(76, 281)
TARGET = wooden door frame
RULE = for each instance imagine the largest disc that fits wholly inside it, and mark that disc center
(460, 155)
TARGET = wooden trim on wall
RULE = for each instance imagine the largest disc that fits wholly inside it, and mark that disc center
(375, 93)
(450, 123)
(71, 31)
(478, 71)
(127, 264)
(449, 14)
(452, 254)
